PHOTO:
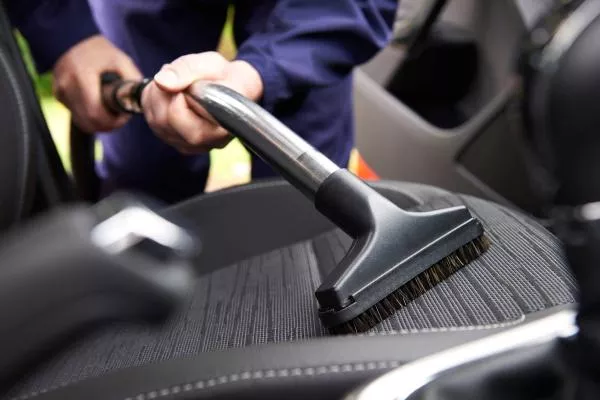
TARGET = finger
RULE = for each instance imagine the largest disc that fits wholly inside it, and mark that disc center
(156, 108)
(93, 110)
(176, 142)
(127, 69)
(76, 116)
(191, 150)
(89, 114)
(194, 105)
(196, 130)
(121, 120)
(81, 93)
(190, 126)
(239, 76)
(185, 70)
(156, 115)
(97, 114)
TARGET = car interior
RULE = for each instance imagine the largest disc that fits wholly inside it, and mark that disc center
(451, 127)
(127, 299)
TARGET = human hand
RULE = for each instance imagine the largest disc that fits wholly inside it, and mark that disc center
(77, 82)
(182, 123)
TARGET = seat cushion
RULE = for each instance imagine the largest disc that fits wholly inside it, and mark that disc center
(260, 313)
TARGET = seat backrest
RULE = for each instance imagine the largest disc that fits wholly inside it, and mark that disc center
(32, 177)
(480, 154)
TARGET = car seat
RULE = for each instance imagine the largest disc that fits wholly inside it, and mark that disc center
(250, 329)
(474, 148)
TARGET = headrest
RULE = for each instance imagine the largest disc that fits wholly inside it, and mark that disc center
(560, 65)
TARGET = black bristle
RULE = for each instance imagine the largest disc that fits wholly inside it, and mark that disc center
(414, 288)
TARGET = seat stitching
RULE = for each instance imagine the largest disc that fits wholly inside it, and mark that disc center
(265, 374)
(389, 333)
(250, 375)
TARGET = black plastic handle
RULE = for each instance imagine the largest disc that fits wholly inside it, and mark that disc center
(69, 271)
(122, 96)
(118, 96)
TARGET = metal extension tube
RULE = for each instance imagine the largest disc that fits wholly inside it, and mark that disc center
(305, 167)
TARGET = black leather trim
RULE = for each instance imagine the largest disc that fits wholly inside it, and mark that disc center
(264, 216)
(318, 369)
(18, 125)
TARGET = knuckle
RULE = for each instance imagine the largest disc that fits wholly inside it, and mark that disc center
(173, 115)
(121, 121)
(215, 56)
(94, 115)
(195, 138)
(161, 118)
(149, 117)
(59, 88)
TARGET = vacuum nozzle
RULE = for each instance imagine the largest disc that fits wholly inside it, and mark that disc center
(396, 256)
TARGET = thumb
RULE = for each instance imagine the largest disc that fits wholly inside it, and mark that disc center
(184, 71)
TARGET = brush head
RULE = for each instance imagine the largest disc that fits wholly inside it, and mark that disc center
(414, 288)
(396, 255)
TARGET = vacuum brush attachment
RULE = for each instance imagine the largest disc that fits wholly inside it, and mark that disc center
(396, 255)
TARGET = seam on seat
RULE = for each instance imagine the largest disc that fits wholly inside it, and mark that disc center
(292, 371)
(250, 375)
(265, 374)
(280, 373)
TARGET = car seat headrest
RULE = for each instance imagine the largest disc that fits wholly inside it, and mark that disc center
(561, 92)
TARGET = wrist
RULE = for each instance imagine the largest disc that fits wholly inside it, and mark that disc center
(275, 85)
(247, 79)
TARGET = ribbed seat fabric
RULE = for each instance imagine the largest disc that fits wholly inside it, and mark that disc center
(270, 298)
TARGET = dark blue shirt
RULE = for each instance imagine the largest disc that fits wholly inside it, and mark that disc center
(304, 50)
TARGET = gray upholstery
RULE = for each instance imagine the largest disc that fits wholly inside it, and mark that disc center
(266, 302)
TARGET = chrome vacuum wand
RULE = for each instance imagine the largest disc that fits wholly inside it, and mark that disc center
(270, 139)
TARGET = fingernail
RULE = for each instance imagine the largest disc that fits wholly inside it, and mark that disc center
(167, 77)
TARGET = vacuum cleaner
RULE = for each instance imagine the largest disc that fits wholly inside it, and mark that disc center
(396, 256)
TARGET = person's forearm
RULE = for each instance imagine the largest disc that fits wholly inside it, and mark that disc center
(316, 43)
(51, 27)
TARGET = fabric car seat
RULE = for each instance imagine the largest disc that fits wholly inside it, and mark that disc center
(251, 329)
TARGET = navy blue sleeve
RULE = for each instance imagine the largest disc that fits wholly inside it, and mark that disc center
(51, 26)
(307, 43)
